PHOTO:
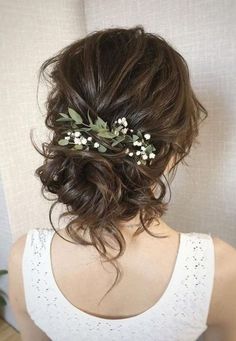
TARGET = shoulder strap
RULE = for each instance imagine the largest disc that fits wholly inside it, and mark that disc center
(33, 264)
(199, 265)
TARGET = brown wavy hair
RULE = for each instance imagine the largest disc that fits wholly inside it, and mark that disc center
(113, 73)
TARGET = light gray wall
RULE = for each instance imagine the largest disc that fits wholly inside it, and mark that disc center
(202, 31)
(5, 243)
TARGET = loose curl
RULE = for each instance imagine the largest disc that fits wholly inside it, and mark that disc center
(113, 73)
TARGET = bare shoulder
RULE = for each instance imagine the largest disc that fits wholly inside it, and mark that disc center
(16, 288)
(18, 246)
(222, 311)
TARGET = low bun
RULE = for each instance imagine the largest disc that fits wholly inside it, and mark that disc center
(116, 73)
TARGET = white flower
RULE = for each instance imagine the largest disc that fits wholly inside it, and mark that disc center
(68, 133)
(131, 130)
(96, 145)
(127, 150)
(131, 154)
(147, 136)
(119, 120)
(144, 156)
(138, 152)
(124, 130)
(84, 140)
(89, 138)
(152, 156)
(139, 162)
(77, 133)
(139, 143)
(123, 120)
(135, 143)
(77, 141)
(115, 121)
(143, 148)
(67, 137)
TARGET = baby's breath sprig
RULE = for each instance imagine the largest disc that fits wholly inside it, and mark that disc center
(119, 134)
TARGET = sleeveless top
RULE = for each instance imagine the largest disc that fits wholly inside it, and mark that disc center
(179, 315)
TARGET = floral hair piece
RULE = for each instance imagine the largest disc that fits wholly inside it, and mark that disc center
(80, 137)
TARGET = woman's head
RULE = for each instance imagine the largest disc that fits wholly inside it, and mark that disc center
(114, 73)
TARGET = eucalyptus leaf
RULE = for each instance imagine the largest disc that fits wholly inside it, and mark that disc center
(74, 126)
(102, 149)
(121, 138)
(118, 140)
(90, 120)
(139, 134)
(75, 116)
(128, 138)
(100, 122)
(95, 128)
(64, 115)
(119, 128)
(78, 146)
(63, 142)
(135, 137)
(63, 119)
(148, 149)
(115, 143)
(85, 129)
(106, 134)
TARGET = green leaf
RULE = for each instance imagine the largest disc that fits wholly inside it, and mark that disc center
(62, 119)
(78, 146)
(119, 128)
(118, 140)
(115, 143)
(148, 149)
(102, 149)
(128, 138)
(75, 116)
(139, 134)
(74, 126)
(63, 142)
(135, 137)
(3, 272)
(90, 120)
(95, 128)
(85, 129)
(64, 115)
(106, 134)
(101, 123)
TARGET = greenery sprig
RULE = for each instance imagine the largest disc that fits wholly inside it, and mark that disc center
(118, 135)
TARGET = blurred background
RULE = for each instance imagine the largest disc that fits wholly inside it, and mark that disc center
(202, 31)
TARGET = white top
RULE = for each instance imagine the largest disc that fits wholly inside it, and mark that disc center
(179, 315)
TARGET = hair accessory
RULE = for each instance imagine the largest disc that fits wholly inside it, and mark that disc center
(119, 134)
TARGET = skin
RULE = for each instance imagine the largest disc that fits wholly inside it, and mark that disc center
(222, 313)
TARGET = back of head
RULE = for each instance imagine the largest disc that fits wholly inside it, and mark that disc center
(114, 73)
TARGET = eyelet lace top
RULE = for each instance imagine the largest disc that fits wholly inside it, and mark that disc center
(179, 315)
